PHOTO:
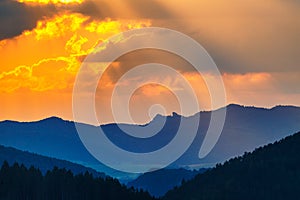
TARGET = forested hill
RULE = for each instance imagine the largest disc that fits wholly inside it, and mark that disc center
(270, 172)
(17, 182)
(43, 163)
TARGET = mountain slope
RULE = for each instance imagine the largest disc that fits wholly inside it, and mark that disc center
(245, 129)
(270, 172)
(18, 182)
(43, 163)
(51, 137)
(157, 183)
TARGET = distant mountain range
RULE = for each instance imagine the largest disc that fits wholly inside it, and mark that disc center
(245, 129)
(159, 182)
(43, 163)
(269, 173)
(52, 137)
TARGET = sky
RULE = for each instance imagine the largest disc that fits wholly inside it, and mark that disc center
(255, 44)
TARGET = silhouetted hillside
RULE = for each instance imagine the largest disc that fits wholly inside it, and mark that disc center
(43, 163)
(17, 182)
(158, 182)
(269, 173)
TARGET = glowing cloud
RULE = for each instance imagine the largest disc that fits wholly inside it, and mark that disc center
(38, 66)
(50, 55)
(52, 1)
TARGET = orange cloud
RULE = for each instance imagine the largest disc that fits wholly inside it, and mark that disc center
(151, 90)
(38, 67)
(51, 1)
(50, 55)
(250, 82)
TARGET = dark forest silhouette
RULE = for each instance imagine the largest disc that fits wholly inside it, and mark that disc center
(17, 182)
(270, 172)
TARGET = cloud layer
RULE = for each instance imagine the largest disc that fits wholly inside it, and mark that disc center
(255, 44)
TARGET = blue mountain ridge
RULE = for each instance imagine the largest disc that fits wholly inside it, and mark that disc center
(43, 163)
(245, 129)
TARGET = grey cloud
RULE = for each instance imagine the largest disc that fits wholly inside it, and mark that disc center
(17, 17)
(251, 39)
(150, 9)
(139, 57)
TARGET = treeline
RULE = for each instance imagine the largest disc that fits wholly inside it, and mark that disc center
(43, 163)
(269, 173)
(19, 183)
